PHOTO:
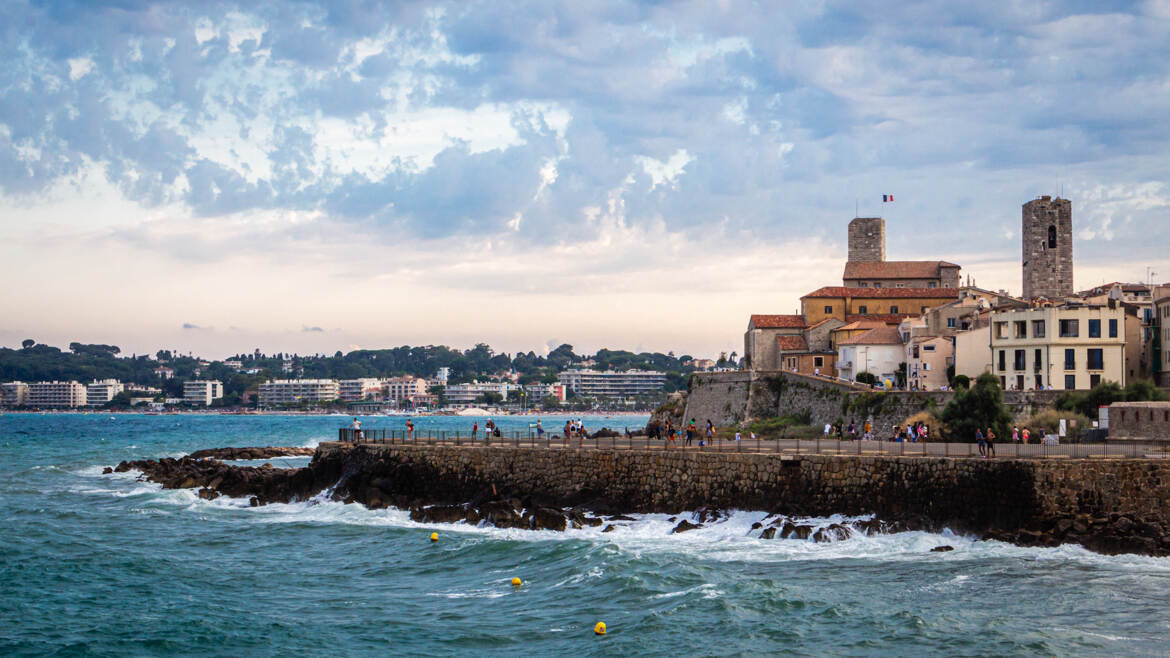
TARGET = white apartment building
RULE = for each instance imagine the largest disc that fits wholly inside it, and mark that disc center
(65, 395)
(292, 391)
(13, 394)
(100, 392)
(1067, 347)
(405, 388)
(164, 372)
(354, 390)
(469, 393)
(202, 392)
(612, 384)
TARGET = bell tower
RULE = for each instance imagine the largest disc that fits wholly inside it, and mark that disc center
(1047, 248)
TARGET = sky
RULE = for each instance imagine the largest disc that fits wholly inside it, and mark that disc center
(311, 177)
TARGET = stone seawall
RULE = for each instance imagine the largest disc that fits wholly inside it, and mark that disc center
(731, 398)
(1106, 505)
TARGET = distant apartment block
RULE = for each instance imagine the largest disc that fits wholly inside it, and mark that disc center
(612, 384)
(355, 390)
(292, 391)
(1066, 347)
(164, 372)
(202, 392)
(469, 393)
(538, 392)
(62, 395)
(405, 388)
(100, 392)
(14, 394)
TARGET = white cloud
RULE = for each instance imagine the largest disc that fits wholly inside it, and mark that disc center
(665, 172)
(79, 67)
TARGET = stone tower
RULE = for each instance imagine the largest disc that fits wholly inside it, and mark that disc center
(867, 240)
(1048, 248)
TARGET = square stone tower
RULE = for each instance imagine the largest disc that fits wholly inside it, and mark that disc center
(867, 240)
(1048, 248)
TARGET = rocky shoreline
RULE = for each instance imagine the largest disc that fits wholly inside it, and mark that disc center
(456, 493)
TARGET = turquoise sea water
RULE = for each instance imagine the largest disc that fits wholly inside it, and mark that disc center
(107, 565)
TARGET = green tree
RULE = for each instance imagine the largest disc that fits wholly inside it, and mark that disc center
(980, 407)
(960, 382)
(864, 377)
(27, 343)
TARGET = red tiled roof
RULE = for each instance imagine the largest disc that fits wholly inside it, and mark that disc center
(896, 269)
(884, 293)
(777, 322)
(879, 336)
(884, 318)
(792, 343)
(860, 322)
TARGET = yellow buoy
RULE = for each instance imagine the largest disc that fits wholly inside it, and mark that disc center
(516, 582)
(599, 628)
(434, 536)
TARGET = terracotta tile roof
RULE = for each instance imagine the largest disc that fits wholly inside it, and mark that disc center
(879, 336)
(792, 343)
(817, 324)
(896, 269)
(884, 318)
(777, 322)
(884, 293)
(861, 323)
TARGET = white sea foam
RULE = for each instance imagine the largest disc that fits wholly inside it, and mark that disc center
(728, 539)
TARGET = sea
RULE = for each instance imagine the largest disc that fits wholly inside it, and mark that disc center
(108, 565)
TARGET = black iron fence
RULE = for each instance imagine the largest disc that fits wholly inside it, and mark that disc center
(1010, 450)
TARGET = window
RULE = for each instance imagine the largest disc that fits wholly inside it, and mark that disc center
(951, 323)
(1018, 361)
(1019, 382)
(1094, 328)
(928, 348)
(1096, 359)
(1094, 380)
(900, 285)
(923, 310)
(877, 284)
(1070, 328)
(1001, 330)
(1070, 359)
(1051, 237)
(1070, 382)
(1113, 328)
(893, 309)
(818, 361)
(828, 309)
(862, 310)
(1037, 328)
(926, 367)
(1037, 359)
(1002, 381)
(932, 284)
(1039, 383)
(1002, 360)
(1021, 329)
(863, 284)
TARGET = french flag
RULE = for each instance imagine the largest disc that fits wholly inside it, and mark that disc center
(887, 198)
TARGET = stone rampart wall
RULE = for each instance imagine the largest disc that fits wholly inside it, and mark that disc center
(1108, 505)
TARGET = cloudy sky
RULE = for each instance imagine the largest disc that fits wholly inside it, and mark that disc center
(312, 177)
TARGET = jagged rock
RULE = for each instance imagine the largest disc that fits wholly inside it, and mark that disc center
(107, 470)
(609, 528)
(621, 517)
(798, 531)
(684, 526)
(757, 525)
(438, 514)
(233, 454)
(208, 494)
(942, 549)
(768, 533)
(546, 518)
(604, 433)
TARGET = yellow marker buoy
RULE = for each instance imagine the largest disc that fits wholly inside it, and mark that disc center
(599, 628)
(434, 536)
(516, 582)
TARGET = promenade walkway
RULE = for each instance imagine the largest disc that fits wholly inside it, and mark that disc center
(1008, 450)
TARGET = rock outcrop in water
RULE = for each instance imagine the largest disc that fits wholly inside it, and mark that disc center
(1117, 506)
(266, 452)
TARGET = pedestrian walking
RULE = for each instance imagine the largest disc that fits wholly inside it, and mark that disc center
(409, 428)
(982, 441)
(475, 430)
(990, 443)
(356, 429)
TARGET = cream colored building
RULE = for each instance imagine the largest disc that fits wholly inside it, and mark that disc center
(365, 388)
(1160, 360)
(877, 351)
(927, 359)
(405, 388)
(292, 391)
(14, 394)
(1067, 347)
(973, 352)
(56, 394)
(202, 392)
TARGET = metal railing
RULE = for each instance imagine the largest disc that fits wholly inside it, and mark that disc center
(818, 446)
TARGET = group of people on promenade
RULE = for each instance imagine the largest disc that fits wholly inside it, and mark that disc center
(690, 430)
(911, 433)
